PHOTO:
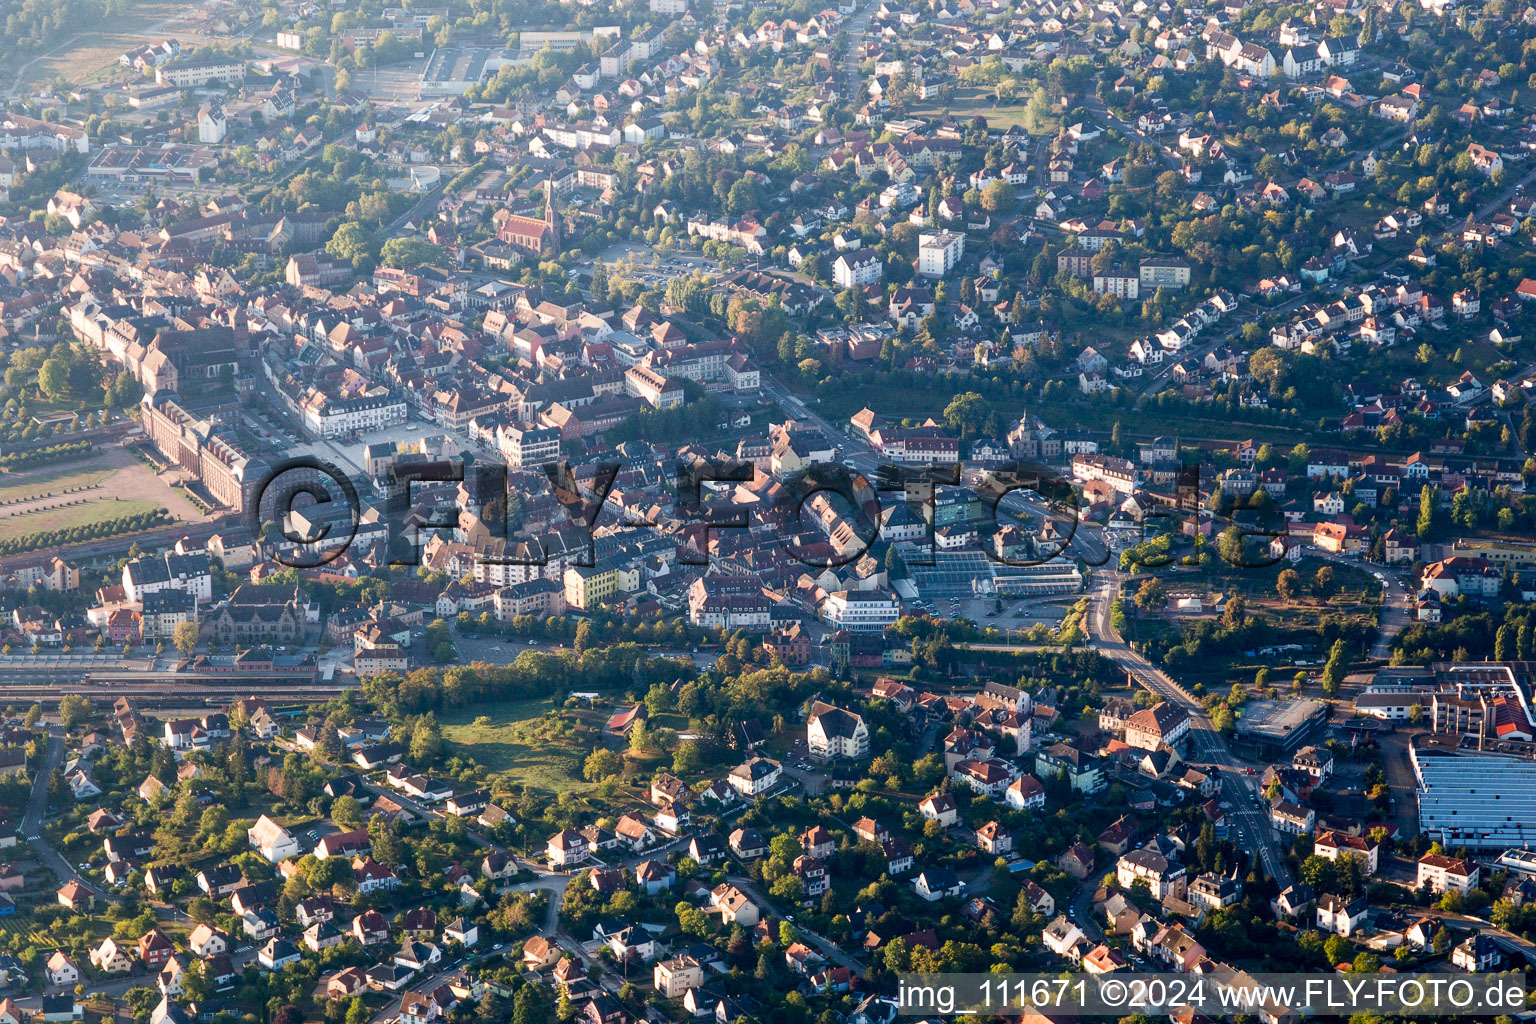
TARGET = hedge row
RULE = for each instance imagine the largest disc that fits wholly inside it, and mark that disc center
(53, 453)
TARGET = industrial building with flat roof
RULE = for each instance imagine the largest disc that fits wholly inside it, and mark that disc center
(1273, 727)
(1520, 862)
(1475, 800)
(966, 573)
(451, 69)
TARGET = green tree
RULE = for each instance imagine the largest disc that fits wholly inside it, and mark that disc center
(1504, 643)
(74, 709)
(658, 699)
(1150, 595)
(1233, 547)
(347, 812)
(352, 242)
(1428, 497)
(184, 636)
(998, 197)
(533, 1004)
(601, 764)
(687, 758)
(1368, 32)
(1288, 584)
(787, 887)
(404, 253)
(426, 740)
(1335, 669)
(53, 378)
(967, 412)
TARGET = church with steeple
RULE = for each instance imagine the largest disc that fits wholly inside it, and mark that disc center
(534, 235)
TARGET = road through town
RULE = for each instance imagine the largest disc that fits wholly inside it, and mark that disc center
(1246, 812)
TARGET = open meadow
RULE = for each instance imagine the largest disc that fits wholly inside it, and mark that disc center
(520, 741)
(108, 484)
(96, 48)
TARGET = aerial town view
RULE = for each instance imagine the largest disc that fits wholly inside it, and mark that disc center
(722, 512)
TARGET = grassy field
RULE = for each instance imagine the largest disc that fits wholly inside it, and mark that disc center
(99, 44)
(51, 481)
(22, 523)
(514, 740)
(670, 720)
(108, 484)
(969, 102)
(914, 402)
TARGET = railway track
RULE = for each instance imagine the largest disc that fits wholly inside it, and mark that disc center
(51, 692)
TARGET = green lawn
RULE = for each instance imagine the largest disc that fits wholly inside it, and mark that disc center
(94, 511)
(969, 102)
(518, 744)
(917, 403)
(50, 481)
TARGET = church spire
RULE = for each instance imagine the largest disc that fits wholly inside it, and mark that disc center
(551, 218)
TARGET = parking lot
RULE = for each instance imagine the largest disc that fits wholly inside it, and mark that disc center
(349, 454)
(495, 649)
(1016, 613)
(268, 430)
(798, 766)
(649, 266)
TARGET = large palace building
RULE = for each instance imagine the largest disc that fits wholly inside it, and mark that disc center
(229, 475)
